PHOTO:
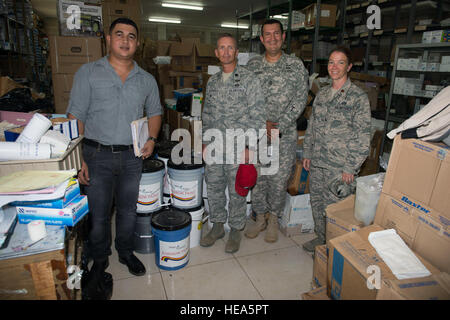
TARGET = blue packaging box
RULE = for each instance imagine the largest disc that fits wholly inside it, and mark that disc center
(68, 216)
(72, 190)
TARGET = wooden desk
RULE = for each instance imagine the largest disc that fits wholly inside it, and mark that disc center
(39, 276)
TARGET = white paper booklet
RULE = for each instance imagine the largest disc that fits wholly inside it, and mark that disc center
(139, 132)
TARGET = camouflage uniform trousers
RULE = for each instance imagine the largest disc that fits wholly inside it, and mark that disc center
(218, 177)
(321, 196)
(269, 194)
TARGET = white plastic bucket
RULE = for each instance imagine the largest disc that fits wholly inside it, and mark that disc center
(150, 187)
(368, 190)
(186, 185)
(196, 226)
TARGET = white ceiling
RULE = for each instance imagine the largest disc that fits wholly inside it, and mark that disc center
(214, 13)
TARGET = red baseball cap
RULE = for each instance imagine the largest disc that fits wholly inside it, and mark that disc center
(245, 179)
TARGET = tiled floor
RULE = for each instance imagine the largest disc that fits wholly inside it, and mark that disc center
(258, 271)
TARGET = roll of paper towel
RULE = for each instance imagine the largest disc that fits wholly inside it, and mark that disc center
(24, 151)
(36, 230)
(35, 129)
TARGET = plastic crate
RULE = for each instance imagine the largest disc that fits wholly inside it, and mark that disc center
(71, 159)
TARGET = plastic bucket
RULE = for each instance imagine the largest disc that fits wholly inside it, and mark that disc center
(368, 190)
(196, 226)
(171, 228)
(143, 236)
(151, 186)
(186, 185)
(163, 153)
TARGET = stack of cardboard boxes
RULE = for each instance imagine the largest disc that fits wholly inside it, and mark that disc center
(67, 55)
(77, 43)
(415, 201)
(113, 9)
(189, 61)
(76, 47)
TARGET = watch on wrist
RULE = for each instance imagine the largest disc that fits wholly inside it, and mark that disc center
(152, 139)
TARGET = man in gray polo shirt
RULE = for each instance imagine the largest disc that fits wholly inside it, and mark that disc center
(107, 95)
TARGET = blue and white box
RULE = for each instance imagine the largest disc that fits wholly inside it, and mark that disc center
(68, 216)
(72, 191)
(68, 128)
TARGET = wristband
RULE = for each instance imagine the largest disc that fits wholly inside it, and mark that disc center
(151, 138)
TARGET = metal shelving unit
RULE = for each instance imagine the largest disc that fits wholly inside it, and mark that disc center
(20, 45)
(419, 77)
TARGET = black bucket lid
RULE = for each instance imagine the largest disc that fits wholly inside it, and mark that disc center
(164, 149)
(184, 166)
(171, 219)
(152, 165)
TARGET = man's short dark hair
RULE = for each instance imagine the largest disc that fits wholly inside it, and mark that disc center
(226, 35)
(271, 21)
(124, 21)
(344, 50)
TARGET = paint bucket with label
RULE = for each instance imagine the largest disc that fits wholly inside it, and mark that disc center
(151, 186)
(163, 153)
(171, 228)
(186, 184)
(196, 229)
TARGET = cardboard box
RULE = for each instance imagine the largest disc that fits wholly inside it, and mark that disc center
(327, 15)
(423, 234)
(418, 174)
(68, 127)
(174, 120)
(299, 183)
(90, 24)
(68, 215)
(316, 294)
(167, 91)
(372, 90)
(291, 231)
(121, 8)
(68, 54)
(341, 218)
(320, 266)
(62, 85)
(191, 55)
(297, 211)
(434, 287)
(349, 259)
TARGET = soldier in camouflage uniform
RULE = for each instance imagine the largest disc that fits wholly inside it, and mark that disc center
(337, 139)
(234, 100)
(285, 84)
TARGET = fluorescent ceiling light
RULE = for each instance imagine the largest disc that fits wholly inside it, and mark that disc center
(229, 25)
(181, 6)
(164, 20)
(279, 16)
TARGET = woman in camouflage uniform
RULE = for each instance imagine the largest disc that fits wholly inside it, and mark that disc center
(337, 139)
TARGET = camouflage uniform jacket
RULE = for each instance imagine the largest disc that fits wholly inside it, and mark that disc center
(237, 103)
(338, 133)
(285, 85)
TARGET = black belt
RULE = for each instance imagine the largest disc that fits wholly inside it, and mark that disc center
(113, 148)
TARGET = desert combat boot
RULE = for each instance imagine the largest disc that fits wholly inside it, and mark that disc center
(216, 233)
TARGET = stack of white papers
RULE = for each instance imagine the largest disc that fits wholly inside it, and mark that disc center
(397, 255)
(34, 185)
